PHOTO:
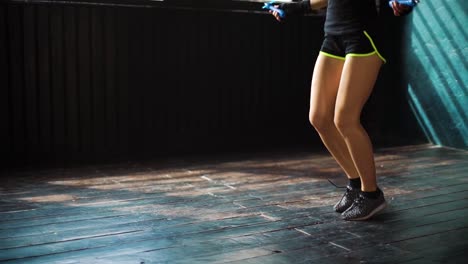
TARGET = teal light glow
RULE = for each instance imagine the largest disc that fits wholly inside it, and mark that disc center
(422, 118)
(437, 70)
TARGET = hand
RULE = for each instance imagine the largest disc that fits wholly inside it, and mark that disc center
(292, 9)
(400, 10)
(275, 14)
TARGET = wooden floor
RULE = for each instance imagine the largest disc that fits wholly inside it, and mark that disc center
(263, 208)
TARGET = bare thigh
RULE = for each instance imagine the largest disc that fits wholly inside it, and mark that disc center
(357, 82)
(325, 83)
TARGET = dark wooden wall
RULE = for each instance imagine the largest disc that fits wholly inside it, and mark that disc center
(101, 82)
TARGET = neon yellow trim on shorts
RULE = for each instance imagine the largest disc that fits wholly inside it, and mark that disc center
(360, 55)
(332, 56)
(375, 48)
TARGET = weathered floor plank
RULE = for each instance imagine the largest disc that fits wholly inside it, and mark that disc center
(270, 208)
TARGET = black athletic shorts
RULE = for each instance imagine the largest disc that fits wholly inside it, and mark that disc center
(349, 45)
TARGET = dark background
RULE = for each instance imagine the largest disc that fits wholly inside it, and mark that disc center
(102, 81)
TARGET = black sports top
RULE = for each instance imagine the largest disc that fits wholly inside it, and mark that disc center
(350, 16)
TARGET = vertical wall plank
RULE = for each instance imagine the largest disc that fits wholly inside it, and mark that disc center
(72, 99)
(30, 80)
(162, 69)
(98, 80)
(110, 60)
(57, 60)
(123, 81)
(154, 86)
(84, 81)
(135, 82)
(138, 37)
(145, 81)
(5, 87)
(17, 95)
(43, 84)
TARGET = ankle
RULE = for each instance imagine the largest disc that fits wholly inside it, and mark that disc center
(355, 183)
(372, 194)
(369, 189)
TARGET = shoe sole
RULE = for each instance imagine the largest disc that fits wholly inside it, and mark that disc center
(376, 210)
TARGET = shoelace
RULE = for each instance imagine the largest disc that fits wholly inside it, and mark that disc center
(336, 185)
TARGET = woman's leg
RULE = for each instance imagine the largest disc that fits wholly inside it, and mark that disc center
(357, 81)
(325, 83)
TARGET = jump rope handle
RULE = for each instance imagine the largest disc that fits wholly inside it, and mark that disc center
(272, 8)
(411, 3)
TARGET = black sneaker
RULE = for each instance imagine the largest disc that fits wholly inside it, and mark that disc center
(347, 200)
(364, 208)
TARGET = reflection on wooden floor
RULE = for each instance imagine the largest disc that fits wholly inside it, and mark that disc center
(262, 208)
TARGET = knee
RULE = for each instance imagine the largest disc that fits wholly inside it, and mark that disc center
(345, 124)
(320, 121)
